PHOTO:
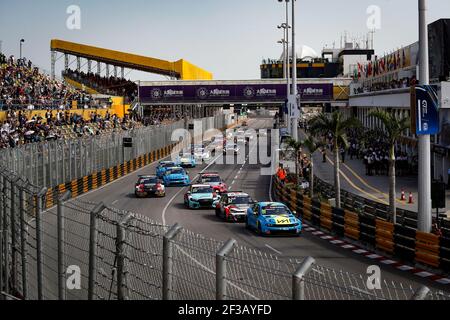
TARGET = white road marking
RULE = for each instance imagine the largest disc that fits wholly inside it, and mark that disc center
(274, 250)
(163, 216)
(114, 202)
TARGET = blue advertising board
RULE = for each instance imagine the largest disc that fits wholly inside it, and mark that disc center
(426, 110)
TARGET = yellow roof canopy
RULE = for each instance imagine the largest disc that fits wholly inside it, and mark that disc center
(180, 69)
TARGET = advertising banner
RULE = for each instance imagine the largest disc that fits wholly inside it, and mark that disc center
(425, 110)
(240, 93)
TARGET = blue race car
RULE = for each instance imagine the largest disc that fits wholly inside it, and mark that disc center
(271, 218)
(176, 176)
(201, 196)
(163, 167)
(187, 160)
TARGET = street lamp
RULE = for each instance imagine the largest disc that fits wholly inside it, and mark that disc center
(21, 42)
(286, 28)
(424, 204)
(294, 107)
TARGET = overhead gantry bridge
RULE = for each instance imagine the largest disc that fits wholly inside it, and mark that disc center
(333, 91)
(113, 60)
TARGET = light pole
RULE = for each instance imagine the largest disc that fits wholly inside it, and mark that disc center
(424, 214)
(294, 107)
(286, 26)
(21, 43)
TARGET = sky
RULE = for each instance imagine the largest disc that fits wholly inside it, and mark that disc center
(226, 37)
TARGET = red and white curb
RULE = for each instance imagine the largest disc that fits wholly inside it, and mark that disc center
(376, 257)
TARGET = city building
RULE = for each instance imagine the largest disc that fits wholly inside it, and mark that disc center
(385, 82)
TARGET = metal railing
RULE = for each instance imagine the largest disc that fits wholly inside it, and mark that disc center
(52, 163)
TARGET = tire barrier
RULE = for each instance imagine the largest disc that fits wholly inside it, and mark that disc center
(99, 179)
(384, 232)
(445, 251)
(354, 202)
(367, 230)
(427, 249)
(405, 242)
(398, 240)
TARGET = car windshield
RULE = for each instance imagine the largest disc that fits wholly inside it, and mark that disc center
(167, 165)
(211, 179)
(202, 190)
(148, 181)
(176, 171)
(239, 200)
(274, 210)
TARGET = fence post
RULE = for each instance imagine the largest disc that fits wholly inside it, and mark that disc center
(93, 235)
(421, 293)
(23, 241)
(40, 276)
(6, 208)
(61, 240)
(167, 261)
(13, 234)
(221, 269)
(2, 200)
(122, 289)
(298, 278)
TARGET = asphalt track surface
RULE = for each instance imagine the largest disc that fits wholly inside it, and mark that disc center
(247, 178)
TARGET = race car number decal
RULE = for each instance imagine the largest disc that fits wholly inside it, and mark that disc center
(283, 221)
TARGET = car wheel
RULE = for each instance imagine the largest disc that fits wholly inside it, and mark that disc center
(259, 228)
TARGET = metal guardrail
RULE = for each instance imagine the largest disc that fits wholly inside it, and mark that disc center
(52, 163)
(357, 203)
(397, 240)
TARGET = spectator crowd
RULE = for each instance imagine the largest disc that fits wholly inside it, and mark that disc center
(23, 86)
(106, 85)
(372, 147)
(380, 86)
(17, 129)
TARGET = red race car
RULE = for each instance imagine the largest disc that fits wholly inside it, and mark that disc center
(233, 206)
(214, 180)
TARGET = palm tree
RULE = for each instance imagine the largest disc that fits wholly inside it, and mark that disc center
(312, 146)
(336, 126)
(296, 148)
(394, 129)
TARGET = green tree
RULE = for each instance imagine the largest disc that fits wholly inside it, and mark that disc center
(312, 146)
(335, 126)
(295, 148)
(394, 129)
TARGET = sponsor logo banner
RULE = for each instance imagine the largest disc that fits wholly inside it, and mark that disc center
(233, 93)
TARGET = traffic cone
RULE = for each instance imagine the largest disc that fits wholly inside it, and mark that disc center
(411, 201)
(403, 197)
